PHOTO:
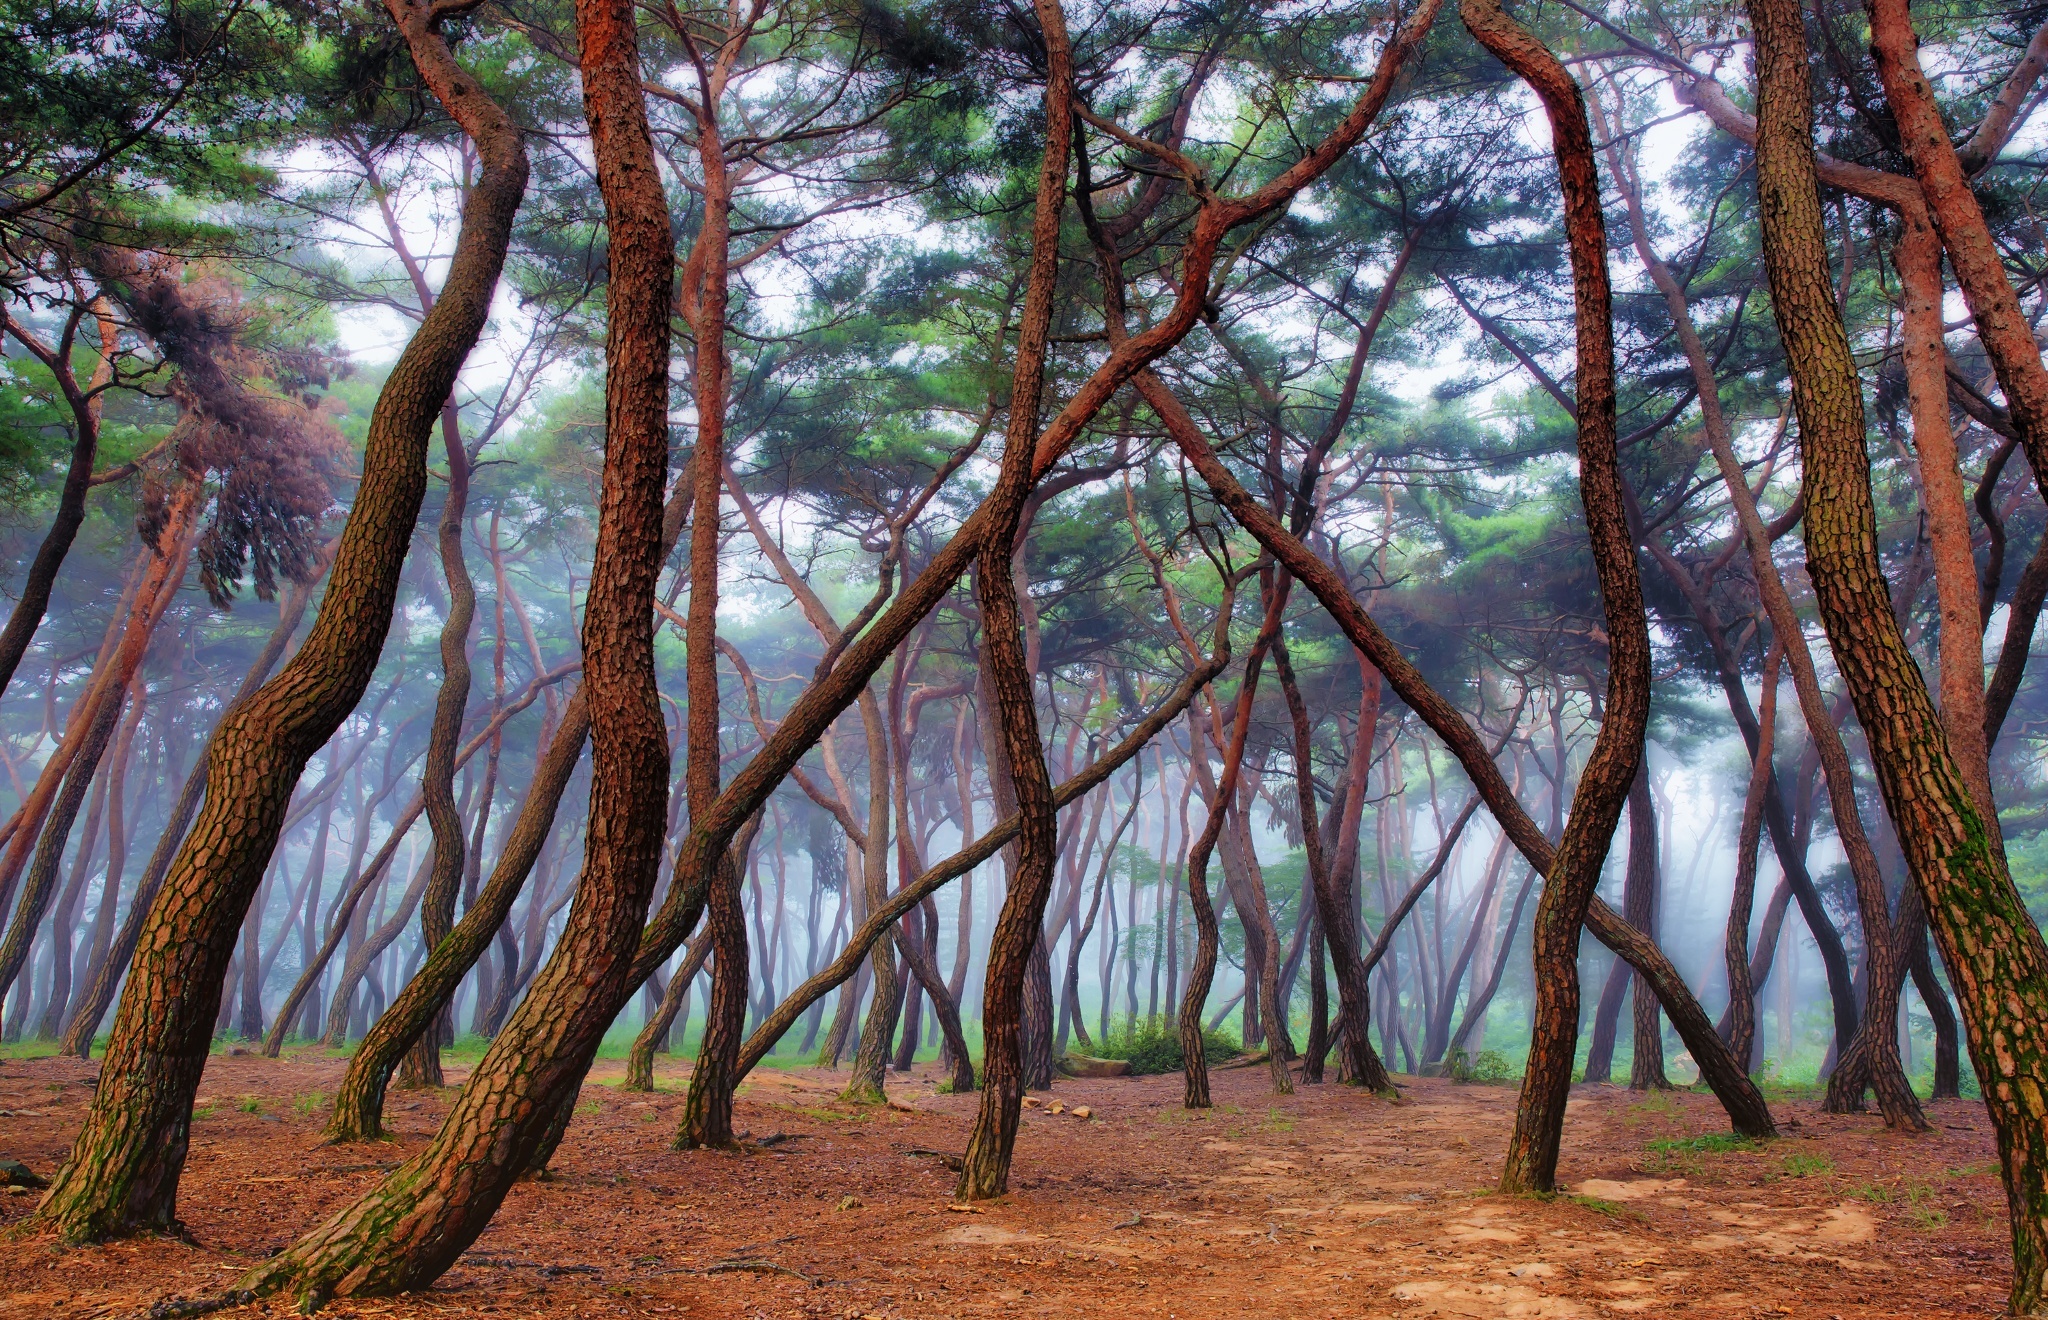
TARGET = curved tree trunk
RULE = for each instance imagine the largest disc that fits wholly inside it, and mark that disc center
(359, 1101)
(985, 1166)
(36, 585)
(640, 1060)
(89, 739)
(123, 1172)
(1603, 784)
(411, 1227)
(437, 780)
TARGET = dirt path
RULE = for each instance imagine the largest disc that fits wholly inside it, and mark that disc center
(1326, 1203)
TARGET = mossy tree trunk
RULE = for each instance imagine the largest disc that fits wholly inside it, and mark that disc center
(1995, 955)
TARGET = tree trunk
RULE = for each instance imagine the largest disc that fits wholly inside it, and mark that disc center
(1604, 782)
(640, 1059)
(1646, 1067)
(102, 704)
(1739, 1029)
(437, 781)
(985, 1166)
(34, 600)
(406, 1231)
(1995, 956)
(123, 1172)
(359, 1101)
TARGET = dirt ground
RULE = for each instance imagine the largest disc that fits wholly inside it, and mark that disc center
(1326, 1203)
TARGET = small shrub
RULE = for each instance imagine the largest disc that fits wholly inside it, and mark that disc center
(1488, 1068)
(1154, 1046)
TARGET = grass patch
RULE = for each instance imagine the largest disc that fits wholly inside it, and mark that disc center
(1803, 1165)
(1612, 1209)
(1713, 1143)
(1153, 1047)
(309, 1104)
(249, 1104)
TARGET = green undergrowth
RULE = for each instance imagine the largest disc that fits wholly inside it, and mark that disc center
(1153, 1046)
(1713, 1143)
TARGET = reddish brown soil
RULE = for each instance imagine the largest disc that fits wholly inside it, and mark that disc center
(1326, 1203)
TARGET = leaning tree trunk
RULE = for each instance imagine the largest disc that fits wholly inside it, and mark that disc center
(406, 1231)
(34, 599)
(359, 1101)
(104, 702)
(1995, 955)
(1617, 751)
(985, 1167)
(123, 1172)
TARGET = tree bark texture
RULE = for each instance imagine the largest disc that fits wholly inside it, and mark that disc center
(1995, 956)
(407, 1230)
(985, 1166)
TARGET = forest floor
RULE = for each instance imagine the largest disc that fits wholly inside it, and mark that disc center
(1327, 1202)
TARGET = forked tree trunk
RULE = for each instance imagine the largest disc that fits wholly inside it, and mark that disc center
(1995, 955)
(123, 1172)
(407, 1230)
